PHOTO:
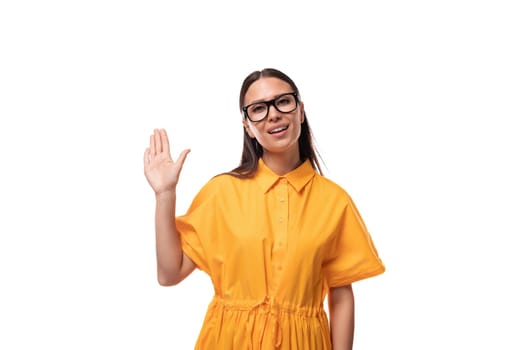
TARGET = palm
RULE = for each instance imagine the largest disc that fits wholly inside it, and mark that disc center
(160, 170)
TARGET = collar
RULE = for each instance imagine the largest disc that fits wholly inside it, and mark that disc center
(298, 177)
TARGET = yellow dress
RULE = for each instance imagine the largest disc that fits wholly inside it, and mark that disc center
(273, 246)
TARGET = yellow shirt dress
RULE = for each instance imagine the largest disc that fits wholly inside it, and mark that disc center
(273, 246)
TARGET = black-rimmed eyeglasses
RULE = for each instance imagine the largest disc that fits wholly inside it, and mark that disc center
(285, 103)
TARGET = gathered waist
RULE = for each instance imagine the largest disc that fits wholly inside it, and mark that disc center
(267, 304)
(264, 321)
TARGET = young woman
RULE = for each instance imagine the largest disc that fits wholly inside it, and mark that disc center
(274, 235)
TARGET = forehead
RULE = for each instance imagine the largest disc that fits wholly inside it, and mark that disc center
(266, 89)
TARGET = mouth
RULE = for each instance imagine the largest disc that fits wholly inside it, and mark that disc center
(278, 129)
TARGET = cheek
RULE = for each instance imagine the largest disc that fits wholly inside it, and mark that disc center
(248, 129)
(256, 132)
(301, 115)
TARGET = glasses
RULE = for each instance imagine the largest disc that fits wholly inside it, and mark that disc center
(285, 103)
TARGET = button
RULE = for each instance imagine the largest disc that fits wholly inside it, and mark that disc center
(281, 219)
(281, 199)
(284, 181)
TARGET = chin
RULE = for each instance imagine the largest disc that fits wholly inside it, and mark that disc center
(281, 148)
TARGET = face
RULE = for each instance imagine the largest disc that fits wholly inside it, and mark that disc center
(278, 132)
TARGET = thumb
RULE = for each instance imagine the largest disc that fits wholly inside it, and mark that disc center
(182, 157)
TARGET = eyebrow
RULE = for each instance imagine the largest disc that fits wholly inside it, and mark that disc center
(273, 98)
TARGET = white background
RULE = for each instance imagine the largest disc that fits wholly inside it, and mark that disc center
(417, 108)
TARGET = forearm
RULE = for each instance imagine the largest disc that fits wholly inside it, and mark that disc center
(341, 307)
(168, 245)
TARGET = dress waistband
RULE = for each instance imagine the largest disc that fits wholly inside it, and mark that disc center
(266, 304)
(271, 312)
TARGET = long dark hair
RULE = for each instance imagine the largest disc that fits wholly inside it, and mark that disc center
(252, 150)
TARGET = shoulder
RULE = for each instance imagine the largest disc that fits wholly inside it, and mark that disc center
(221, 188)
(223, 179)
(213, 184)
(330, 187)
(222, 182)
(210, 191)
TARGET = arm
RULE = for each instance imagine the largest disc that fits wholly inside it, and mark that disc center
(163, 174)
(173, 265)
(341, 307)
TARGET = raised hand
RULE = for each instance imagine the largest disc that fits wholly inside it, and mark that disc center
(161, 171)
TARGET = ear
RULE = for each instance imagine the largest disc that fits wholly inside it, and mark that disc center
(302, 112)
(247, 127)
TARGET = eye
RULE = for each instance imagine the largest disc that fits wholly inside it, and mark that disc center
(284, 100)
(257, 108)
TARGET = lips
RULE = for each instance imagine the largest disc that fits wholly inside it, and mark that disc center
(278, 129)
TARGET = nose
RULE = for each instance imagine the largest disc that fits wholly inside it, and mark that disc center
(273, 113)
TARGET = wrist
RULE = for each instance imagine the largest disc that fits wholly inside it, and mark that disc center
(165, 195)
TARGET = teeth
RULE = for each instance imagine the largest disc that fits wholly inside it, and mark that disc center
(278, 129)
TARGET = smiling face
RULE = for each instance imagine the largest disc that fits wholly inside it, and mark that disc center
(279, 132)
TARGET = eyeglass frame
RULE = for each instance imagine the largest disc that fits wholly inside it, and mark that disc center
(271, 103)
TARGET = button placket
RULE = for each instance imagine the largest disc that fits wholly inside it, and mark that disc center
(281, 231)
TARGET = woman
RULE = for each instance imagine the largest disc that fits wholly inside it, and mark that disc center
(275, 236)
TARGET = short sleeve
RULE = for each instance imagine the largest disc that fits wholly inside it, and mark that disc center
(351, 254)
(197, 225)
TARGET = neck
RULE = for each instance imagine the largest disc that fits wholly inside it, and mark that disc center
(281, 164)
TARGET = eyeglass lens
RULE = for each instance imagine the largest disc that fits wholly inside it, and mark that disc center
(284, 104)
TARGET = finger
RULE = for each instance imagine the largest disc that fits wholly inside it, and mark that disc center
(146, 157)
(182, 157)
(153, 151)
(158, 145)
(164, 141)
